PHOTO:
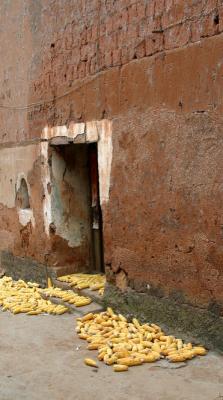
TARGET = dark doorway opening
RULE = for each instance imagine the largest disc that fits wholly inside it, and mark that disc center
(96, 215)
(76, 211)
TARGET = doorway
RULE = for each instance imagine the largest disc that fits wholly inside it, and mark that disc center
(75, 207)
(96, 215)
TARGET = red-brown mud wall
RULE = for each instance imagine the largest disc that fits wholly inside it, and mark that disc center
(155, 68)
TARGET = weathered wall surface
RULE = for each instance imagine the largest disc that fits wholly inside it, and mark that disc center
(21, 230)
(155, 69)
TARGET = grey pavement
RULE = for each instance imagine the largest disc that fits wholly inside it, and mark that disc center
(41, 357)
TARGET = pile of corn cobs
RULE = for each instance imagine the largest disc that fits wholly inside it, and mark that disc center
(21, 297)
(85, 281)
(67, 296)
(124, 344)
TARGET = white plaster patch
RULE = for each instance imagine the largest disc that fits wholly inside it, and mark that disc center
(74, 130)
(92, 131)
(15, 163)
(55, 131)
(26, 216)
(105, 150)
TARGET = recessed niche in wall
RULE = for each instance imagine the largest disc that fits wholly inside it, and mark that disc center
(22, 195)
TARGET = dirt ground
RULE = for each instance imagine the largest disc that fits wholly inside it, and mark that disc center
(41, 357)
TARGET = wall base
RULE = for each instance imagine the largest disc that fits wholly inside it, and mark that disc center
(190, 323)
(26, 269)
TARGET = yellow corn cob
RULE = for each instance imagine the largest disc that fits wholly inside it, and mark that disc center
(109, 351)
(165, 352)
(83, 336)
(88, 317)
(188, 346)
(33, 312)
(90, 362)
(151, 357)
(156, 347)
(97, 286)
(188, 354)
(98, 320)
(122, 353)
(120, 368)
(17, 310)
(129, 361)
(49, 282)
(101, 355)
(103, 349)
(164, 338)
(136, 323)
(149, 337)
(172, 346)
(82, 303)
(176, 358)
(110, 360)
(110, 312)
(134, 347)
(199, 351)
(122, 318)
(83, 286)
(179, 344)
(116, 340)
(93, 346)
(136, 340)
(156, 327)
(62, 311)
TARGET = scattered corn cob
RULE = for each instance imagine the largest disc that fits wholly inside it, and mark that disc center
(199, 351)
(49, 282)
(120, 368)
(21, 297)
(90, 362)
(101, 291)
(125, 344)
(67, 296)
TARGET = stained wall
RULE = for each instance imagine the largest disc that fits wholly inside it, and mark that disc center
(154, 69)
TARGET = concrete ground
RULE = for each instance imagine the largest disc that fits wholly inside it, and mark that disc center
(41, 357)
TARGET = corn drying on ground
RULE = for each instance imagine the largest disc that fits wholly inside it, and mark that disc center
(124, 344)
(42, 358)
(67, 296)
(85, 281)
(21, 297)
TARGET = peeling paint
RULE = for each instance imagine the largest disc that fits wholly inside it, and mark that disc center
(74, 130)
(13, 166)
(92, 131)
(26, 216)
(64, 182)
